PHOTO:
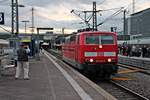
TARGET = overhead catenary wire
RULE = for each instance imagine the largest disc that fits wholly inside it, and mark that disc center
(102, 2)
(111, 16)
(4, 2)
(112, 9)
(87, 19)
(5, 29)
(93, 15)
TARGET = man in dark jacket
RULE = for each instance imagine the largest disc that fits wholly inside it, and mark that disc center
(144, 51)
(22, 63)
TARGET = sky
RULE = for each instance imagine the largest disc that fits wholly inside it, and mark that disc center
(56, 13)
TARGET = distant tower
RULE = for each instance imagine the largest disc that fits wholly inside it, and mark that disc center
(32, 20)
(94, 17)
(133, 6)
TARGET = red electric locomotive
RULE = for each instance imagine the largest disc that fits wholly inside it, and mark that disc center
(92, 52)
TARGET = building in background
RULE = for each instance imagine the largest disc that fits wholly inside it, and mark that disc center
(138, 24)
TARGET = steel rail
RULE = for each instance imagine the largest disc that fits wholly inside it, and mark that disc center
(129, 90)
(134, 67)
(118, 85)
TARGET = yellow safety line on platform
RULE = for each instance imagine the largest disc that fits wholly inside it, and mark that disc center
(131, 67)
(131, 70)
(128, 71)
(121, 79)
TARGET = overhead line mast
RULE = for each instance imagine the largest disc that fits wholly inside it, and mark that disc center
(133, 6)
(94, 16)
(32, 20)
(15, 18)
(86, 20)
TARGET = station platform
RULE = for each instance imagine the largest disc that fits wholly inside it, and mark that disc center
(139, 62)
(139, 58)
(51, 79)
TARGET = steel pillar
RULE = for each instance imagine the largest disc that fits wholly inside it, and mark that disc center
(94, 17)
(15, 17)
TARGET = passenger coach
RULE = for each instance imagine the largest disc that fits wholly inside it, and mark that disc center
(94, 53)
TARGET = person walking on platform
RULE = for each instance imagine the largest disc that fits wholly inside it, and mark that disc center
(22, 63)
(128, 50)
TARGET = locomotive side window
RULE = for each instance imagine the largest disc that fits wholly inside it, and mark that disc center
(72, 38)
(78, 39)
(107, 39)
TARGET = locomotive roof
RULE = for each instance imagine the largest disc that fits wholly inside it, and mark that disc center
(87, 32)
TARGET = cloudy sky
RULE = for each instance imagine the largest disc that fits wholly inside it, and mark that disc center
(56, 13)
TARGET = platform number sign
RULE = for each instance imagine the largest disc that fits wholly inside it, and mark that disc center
(1, 18)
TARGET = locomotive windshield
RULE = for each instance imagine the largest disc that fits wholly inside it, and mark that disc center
(99, 39)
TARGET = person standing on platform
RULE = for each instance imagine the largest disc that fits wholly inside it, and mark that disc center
(128, 50)
(22, 63)
(133, 49)
(144, 51)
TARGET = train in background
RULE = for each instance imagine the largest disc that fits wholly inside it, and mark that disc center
(4, 43)
(93, 53)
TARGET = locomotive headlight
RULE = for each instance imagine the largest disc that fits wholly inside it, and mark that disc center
(91, 60)
(100, 46)
(109, 60)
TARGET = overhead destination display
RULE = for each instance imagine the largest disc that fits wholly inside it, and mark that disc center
(1, 18)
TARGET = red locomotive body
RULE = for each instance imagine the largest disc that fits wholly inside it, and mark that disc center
(92, 52)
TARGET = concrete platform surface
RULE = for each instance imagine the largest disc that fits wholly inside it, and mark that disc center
(48, 82)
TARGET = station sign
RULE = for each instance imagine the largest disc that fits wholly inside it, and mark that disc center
(1, 18)
(8, 50)
(24, 37)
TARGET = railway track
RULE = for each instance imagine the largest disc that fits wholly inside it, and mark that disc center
(144, 71)
(120, 92)
(56, 54)
(116, 89)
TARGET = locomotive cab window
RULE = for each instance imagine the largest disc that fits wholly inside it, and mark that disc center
(92, 39)
(99, 39)
(107, 39)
